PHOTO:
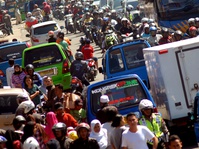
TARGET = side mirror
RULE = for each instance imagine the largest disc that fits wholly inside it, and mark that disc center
(100, 70)
(27, 35)
(62, 27)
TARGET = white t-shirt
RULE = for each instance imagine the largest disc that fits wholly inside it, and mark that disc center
(137, 140)
(9, 72)
(109, 129)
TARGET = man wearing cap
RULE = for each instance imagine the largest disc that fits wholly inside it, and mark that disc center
(78, 112)
(63, 117)
(104, 109)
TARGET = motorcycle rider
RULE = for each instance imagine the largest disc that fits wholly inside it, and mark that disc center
(51, 37)
(84, 142)
(96, 24)
(37, 13)
(30, 20)
(6, 18)
(119, 24)
(193, 32)
(125, 27)
(59, 131)
(191, 22)
(37, 79)
(88, 51)
(113, 14)
(88, 19)
(177, 36)
(79, 68)
(154, 37)
(47, 11)
(143, 21)
(146, 33)
(166, 37)
(83, 42)
(155, 123)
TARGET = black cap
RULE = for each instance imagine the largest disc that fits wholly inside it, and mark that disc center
(58, 105)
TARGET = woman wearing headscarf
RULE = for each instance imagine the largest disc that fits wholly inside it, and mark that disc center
(51, 120)
(99, 133)
(116, 135)
(18, 76)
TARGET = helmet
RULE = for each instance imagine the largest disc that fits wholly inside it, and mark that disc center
(44, 3)
(191, 20)
(178, 32)
(150, 21)
(31, 143)
(193, 28)
(29, 14)
(113, 11)
(145, 104)
(82, 125)
(22, 97)
(124, 19)
(165, 30)
(2, 139)
(100, 11)
(29, 66)
(88, 41)
(95, 13)
(50, 33)
(27, 106)
(153, 28)
(144, 20)
(87, 13)
(146, 26)
(73, 135)
(19, 118)
(129, 7)
(86, 9)
(197, 19)
(105, 19)
(59, 126)
(82, 40)
(60, 34)
(79, 56)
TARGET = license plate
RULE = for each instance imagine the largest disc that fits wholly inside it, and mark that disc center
(48, 72)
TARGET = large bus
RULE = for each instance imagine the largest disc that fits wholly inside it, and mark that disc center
(175, 13)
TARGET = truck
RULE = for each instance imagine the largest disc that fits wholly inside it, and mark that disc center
(173, 76)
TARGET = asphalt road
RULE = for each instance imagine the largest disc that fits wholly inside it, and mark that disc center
(20, 32)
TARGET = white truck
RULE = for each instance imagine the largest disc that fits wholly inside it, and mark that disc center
(173, 71)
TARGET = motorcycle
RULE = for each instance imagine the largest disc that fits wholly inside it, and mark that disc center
(92, 73)
(76, 85)
(88, 31)
(127, 37)
(4, 29)
(78, 23)
(60, 13)
(69, 25)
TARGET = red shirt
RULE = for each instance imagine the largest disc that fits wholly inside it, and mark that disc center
(67, 119)
(88, 51)
(47, 9)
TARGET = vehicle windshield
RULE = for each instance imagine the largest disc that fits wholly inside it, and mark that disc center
(177, 9)
(43, 56)
(133, 56)
(122, 94)
(14, 52)
(45, 29)
(8, 104)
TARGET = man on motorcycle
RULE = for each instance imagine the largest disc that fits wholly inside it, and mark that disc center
(166, 36)
(119, 24)
(46, 10)
(7, 20)
(154, 37)
(79, 68)
(88, 51)
(37, 13)
(125, 27)
(30, 20)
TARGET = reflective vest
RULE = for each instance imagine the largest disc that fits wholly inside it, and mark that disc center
(154, 125)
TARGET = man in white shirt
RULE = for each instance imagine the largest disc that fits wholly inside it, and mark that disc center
(136, 136)
(9, 72)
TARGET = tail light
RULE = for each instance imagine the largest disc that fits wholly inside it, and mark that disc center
(155, 110)
(74, 81)
(2, 73)
(34, 39)
(65, 68)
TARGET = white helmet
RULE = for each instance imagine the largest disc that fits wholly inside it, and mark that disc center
(145, 103)
(31, 143)
(146, 25)
(144, 20)
(29, 14)
(191, 20)
(150, 21)
(27, 106)
(124, 19)
(129, 7)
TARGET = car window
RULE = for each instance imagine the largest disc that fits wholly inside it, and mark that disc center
(11, 52)
(134, 55)
(45, 29)
(122, 94)
(115, 61)
(43, 56)
(8, 104)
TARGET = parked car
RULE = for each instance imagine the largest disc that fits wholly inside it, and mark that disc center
(125, 92)
(49, 60)
(8, 105)
(39, 32)
(10, 50)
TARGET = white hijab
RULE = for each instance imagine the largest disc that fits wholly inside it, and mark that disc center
(101, 136)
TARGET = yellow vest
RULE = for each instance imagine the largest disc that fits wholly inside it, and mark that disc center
(154, 126)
